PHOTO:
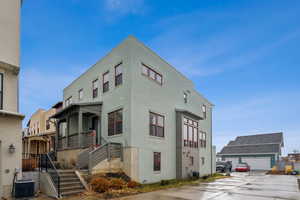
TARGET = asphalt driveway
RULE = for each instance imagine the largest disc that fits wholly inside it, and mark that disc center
(242, 186)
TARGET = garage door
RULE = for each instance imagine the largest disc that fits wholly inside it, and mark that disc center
(258, 163)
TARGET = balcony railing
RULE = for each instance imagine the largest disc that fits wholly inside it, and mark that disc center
(72, 142)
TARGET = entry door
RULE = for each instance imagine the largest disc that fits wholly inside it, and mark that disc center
(95, 121)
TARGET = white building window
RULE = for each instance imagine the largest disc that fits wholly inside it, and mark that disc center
(80, 94)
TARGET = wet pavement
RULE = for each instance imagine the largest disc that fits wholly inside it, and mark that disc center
(242, 186)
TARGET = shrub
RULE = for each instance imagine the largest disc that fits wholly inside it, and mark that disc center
(133, 184)
(164, 182)
(117, 183)
(100, 184)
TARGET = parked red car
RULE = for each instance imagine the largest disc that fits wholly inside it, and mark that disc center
(244, 167)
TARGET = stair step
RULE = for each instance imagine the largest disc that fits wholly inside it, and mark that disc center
(73, 192)
(68, 184)
(73, 179)
(71, 188)
(66, 170)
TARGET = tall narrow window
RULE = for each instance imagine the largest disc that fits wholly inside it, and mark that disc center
(47, 124)
(80, 94)
(190, 133)
(105, 82)
(156, 161)
(118, 74)
(115, 122)
(204, 111)
(95, 88)
(185, 97)
(202, 139)
(157, 123)
(1, 91)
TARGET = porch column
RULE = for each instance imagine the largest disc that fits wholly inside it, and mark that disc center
(79, 128)
(99, 130)
(68, 130)
(57, 135)
(29, 146)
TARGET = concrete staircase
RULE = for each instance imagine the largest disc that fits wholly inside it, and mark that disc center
(70, 183)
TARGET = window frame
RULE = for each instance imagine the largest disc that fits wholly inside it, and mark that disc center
(80, 91)
(104, 83)
(119, 75)
(1, 90)
(48, 124)
(203, 139)
(156, 125)
(204, 110)
(114, 132)
(156, 163)
(149, 69)
(95, 89)
(185, 97)
(192, 128)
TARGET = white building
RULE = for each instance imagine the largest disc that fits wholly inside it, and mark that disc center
(10, 118)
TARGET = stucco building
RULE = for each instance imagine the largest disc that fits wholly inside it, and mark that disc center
(10, 118)
(148, 114)
(39, 135)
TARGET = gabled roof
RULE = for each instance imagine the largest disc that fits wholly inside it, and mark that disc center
(269, 138)
(255, 144)
(251, 149)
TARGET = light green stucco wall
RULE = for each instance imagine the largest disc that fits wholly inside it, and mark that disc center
(137, 96)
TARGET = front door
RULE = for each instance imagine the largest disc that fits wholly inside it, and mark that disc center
(95, 121)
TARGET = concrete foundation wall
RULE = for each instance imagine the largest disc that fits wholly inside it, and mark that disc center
(67, 157)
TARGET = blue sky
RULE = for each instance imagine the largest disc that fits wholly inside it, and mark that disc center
(242, 55)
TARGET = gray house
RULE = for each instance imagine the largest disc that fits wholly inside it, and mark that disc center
(132, 111)
(260, 151)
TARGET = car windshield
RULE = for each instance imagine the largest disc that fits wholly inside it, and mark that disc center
(242, 165)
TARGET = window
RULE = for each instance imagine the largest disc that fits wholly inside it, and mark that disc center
(118, 74)
(190, 133)
(147, 71)
(157, 161)
(1, 91)
(202, 160)
(204, 111)
(115, 122)
(95, 88)
(80, 94)
(202, 139)
(105, 82)
(185, 97)
(157, 123)
(192, 160)
(47, 124)
(68, 101)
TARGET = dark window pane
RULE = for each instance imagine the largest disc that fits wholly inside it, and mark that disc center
(153, 130)
(157, 161)
(119, 126)
(118, 80)
(160, 131)
(106, 87)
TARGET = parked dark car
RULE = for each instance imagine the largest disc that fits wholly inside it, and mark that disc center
(243, 167)
(223, 166)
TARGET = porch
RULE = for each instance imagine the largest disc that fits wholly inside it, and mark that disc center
(78, 126)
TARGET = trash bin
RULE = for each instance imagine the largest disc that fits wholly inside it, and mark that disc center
(24, 188)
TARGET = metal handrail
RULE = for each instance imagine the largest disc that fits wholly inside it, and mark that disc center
(55, 176)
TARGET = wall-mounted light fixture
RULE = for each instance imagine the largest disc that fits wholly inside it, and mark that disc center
(11, 148)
